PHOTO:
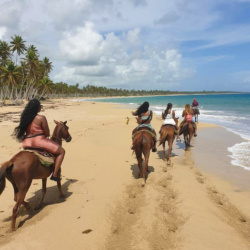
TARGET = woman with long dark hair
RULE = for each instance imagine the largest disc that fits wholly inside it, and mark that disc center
(33, 131)
(144, 117)
(168, 115)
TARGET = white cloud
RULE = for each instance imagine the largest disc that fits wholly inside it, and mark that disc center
(2, 32)
(118, 60)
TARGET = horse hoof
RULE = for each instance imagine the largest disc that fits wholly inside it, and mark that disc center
(143, 184)
(164, 159)
(61, 196)
(168, 162)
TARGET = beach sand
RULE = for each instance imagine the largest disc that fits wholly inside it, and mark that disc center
(200, 201)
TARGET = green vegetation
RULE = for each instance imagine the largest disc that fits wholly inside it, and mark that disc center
(24, 76)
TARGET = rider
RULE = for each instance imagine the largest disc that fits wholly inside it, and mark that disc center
(188, 114)
(33, 131)
(144, 116)
(168, 115)
(195, 104)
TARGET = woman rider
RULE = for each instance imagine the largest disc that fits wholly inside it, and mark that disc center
(169, 118)
(188, 114)
(33, 131)
(144, 116)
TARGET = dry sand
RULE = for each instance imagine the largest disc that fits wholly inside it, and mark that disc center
(186, 205)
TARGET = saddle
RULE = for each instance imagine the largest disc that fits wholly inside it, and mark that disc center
(145, 129)
(46, 159)
(171, 126)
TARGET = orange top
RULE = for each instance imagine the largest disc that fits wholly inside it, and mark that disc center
(34, 129)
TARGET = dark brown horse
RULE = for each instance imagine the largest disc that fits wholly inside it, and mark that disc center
(143, 142)
(23, 167)
(167, 134)
(187, 131)
(196, 113)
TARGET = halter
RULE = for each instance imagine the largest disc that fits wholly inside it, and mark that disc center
(60, 139)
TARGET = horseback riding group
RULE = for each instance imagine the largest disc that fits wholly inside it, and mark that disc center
(43, 156)
(144, 136)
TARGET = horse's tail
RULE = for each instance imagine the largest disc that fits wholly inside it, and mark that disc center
(164, 135)
(184, 129)
(3, 168)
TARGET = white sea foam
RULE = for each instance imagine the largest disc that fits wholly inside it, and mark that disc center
(241, 155)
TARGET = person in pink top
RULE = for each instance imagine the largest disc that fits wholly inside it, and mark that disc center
(33, 131)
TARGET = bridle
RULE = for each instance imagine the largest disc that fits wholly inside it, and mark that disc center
(61, 139)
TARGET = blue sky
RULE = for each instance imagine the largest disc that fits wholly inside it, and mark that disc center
(138, 44)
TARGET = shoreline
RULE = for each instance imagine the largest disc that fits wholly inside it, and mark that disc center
(104, 195)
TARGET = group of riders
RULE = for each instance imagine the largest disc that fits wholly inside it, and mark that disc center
(144, 117)
(33, 130)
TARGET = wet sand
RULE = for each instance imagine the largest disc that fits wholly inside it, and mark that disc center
(186, 205)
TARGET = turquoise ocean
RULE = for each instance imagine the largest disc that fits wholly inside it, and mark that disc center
(231, 111)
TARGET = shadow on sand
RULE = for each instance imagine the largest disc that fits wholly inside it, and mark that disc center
(136, 172)
(51, 198)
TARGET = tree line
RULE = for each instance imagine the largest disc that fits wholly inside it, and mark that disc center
(23, 75)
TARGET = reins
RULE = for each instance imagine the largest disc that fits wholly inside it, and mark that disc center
(56, 138)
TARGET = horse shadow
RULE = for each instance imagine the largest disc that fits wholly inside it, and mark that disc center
(136, 171)
(160, 154)
(51, 198)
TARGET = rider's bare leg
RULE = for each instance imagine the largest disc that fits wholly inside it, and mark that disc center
(58, 162)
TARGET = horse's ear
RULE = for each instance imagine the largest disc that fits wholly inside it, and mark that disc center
(65, 123)
(56, 122)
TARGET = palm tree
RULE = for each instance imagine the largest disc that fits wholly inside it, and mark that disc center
(46, 66)
(34, 49)
(10, 74)
(5, 52)
(45, 85)
(18, 45)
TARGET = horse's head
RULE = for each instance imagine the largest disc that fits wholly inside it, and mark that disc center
(62, 131)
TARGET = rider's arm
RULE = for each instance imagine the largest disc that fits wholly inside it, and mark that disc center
(183, 113)
(45, 126)
(151, 113)
(162, 115)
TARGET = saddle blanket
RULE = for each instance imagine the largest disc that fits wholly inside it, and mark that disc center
(45, 158)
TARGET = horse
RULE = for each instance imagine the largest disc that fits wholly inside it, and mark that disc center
(25, 166)
(167, 134)
(187, 131)
(143, 142)
(196, 113)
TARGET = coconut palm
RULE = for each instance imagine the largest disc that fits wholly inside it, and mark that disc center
(46, 66)
(45, 85)
(5, 52)
(10, 74)
(18, 45)
(34, 49)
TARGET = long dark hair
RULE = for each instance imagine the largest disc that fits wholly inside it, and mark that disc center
(141, 109)
(27, 116)
(169, 106)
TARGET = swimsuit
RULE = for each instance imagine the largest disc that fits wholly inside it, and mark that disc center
(36, 138)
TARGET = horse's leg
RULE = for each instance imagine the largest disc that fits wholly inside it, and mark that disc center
(20, 199)
(15, 190)
(44, 182)
(164, 151)
(170, 143)
(146, 156)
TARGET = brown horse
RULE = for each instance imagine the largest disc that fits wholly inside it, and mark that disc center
(143, 142)
(167, 134)
(196, 113)
(187, 131)
(23, 167)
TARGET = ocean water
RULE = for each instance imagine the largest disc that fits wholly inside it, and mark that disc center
(231, 111)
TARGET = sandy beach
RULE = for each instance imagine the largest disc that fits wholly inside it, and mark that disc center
(200, 201)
